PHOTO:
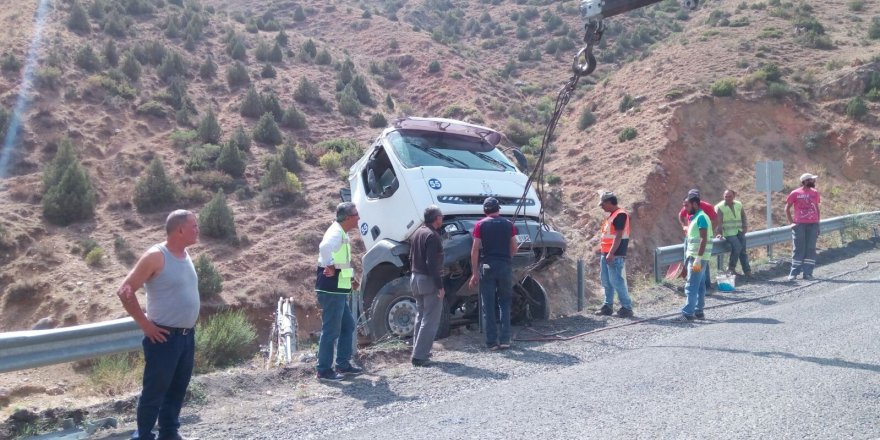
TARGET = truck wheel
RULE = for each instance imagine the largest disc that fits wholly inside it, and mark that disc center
(530, 301)
(393, 311)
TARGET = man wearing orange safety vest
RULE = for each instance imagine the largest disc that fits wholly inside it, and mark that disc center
(613, 242)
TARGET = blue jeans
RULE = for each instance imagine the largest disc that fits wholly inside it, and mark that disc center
(695, 288)
(738, 252)
(337, 323)
(496, 291)
(614, 279)
(167, 370)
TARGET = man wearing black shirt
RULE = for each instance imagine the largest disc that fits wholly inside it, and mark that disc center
(427, 284)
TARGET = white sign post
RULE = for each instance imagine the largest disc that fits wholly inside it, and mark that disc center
(768, 178)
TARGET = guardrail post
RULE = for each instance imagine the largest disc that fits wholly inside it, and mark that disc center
(657, 264)
(842, 237)
(873, 228)
(580, 284)
(718, 263)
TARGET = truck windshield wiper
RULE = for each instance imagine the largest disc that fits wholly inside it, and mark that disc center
(439, 155)
(491, 160)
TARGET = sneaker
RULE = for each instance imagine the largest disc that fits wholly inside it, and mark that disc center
(493, 347)
(351, 370)
(792, 277)
(624, 312)
(420, 362)
(606, 310)
(504, 346)
(682, 318)
(808, 277)
(329, 376)
(699, 315)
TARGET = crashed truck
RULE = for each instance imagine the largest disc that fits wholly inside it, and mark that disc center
(417, 162)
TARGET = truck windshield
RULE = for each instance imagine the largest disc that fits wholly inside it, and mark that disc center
(430, 149)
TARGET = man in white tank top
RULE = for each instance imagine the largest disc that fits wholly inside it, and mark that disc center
(169, 277)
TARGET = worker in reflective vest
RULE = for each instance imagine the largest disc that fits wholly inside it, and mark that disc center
(612, 261)
(733, 228)
(335, 280)
(698, 248)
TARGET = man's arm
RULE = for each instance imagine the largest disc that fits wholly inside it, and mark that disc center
(325, 249)
(704, 234)
(514, 246)
(475, 263)
(745, 223)
(434, 261)
(788, 212)
(147, 266)
(718, 223)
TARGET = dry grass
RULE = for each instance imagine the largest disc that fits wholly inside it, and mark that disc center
(117, 374)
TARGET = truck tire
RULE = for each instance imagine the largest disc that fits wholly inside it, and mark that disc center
(393, 312)
(530, 301)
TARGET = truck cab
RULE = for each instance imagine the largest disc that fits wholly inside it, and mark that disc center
(417, 162)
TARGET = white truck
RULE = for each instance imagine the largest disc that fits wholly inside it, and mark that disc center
(417, 162)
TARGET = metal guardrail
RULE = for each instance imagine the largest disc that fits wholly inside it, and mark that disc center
(37, 348)
(667, 255)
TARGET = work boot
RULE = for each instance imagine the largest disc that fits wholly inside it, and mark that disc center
(420, 362)
(624, 312)
(350, 370)
(606, 310)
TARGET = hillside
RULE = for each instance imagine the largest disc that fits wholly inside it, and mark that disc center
(795, 68)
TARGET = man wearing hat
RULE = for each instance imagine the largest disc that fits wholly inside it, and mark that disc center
(613, 241)
(804, 226)
(493, 271)
(698, 249)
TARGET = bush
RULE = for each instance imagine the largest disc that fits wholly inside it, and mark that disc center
(216, 219)
(306, 92)
(10, 63)
(777, 90)
(131, 67)
(310, 49)
(224, 339)
(359, 85)
(331, 161)
(183, 139)
(293, 119)
(856, 108)
(68, 195)
(114, 25)
(348, 103)
(266, 130)
(252, 106)
(78, 21)
(323, 58)
(231, 160)
(271, 105)
(123, 251)
(874, 28)
(872, 95)
(262, 52)
(626, 103)
(237, 75)
(298, 13)
(117, 374)
(48, 77)
(154, 190)
(268, 71)
(377, 120)
(553, 180)
(288, 157)
(723, 87)
(95, 256)
(282, 38)
(210, 281)
(434, 67)
(279, 186)
(87, 59)
(586, 119)
(237, 50)
(241, 139)
(209, 129)
(627, 134)
(856, 5)
(111, 55)
(208, 69)
(172, 66)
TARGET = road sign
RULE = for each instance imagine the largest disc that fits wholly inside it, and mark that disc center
(768, 175)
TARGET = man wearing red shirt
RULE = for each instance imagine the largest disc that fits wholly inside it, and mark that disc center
(804, 226)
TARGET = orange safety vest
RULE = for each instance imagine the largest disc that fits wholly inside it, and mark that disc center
(608, 231)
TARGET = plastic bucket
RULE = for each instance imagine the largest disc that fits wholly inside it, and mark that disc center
(726, 283)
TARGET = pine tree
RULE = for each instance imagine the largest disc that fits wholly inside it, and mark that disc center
(252, 106)
(268, 72)
(231, 160)
(309, 48)
(389, 102)
(323, 58)
(241, 139)
(172, 66)
(111, 55)
(293, 118)
(237, 75)
(262, 52)
(288, 157)
(276, 55)
(238, 51)
(346, 74)
(64, 158)
(359, 84)
(114, 25)
(208, 69)
(347, 102)
(87, 60)
(299, 14)
(68, 195)
(279, 186)
(282, 38)
(266, 130)
(216, 219)
(209, 129)
(79, 20)
(131, 67)
(154, 190)
(210, 281)
(271, 105)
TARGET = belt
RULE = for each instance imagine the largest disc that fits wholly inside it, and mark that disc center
(175, 330)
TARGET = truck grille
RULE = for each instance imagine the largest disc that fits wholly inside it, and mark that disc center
(478, 200)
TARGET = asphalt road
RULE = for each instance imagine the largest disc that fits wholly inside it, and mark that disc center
(808, 367)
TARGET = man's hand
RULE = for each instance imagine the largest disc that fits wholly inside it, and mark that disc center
(441, 293)
(609, 257)
(329, 271)
(475, 279)
(718, 236)
(154, 333)
(697, 266)
(355, 284)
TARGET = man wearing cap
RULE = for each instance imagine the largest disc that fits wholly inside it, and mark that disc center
(732, 226)
(684, 218)
(613, 241)
(493, 271)
(804, 226)
(698, 248)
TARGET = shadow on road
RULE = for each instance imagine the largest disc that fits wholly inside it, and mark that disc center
(373, 394)
(523, 354)
(830, 362)
(462, 370)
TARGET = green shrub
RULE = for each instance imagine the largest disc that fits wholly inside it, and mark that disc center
(87, 59)
(173, 65)
(116, 374)
(131, 67)
(331, 161)
(48, 77)
(266, 130)
(271, 105)
(586, 119)
(209, 128)
(85, 246)
(874, 28)
(78, 21)
(519, 132)
(306, 92)
(224, 339)
(210, 281)
(293, 119)
(347, 102)
(553, 180)
(216, 219)
(873, 82)
(231, 160)
(288, 157)
(434, 67)
(10, 63)
(111, 54)
(626, 103)
(777, 90)
(627, 134)
(856, 5)
(856, 108)
(310, 49)
(298, 13)
(323, 58)
(348, 149)
(237, 50)
(114, 25)
(95, 257)
(123, 251)
(183, 139)
(202, 157)
(154, 190)
(237, 75)
(359, 85)
(389, 102)
(268, 72)
(252, 105)
(262, 52)
(873, 95)
(241, 139)
(208, 69)
(279, 186)
(723, 87)
(68, 195)
(282, 38)
(377, 120)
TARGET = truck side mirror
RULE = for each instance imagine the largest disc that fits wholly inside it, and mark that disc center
(345, 194)
(520, 159)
